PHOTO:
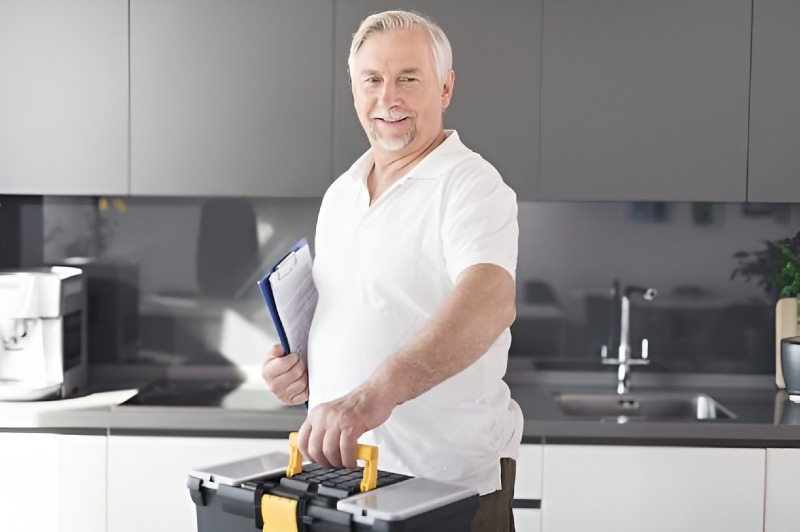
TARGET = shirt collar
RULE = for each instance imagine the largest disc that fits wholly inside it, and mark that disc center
(425, 169)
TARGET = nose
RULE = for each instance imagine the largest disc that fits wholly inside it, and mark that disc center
(389, 94)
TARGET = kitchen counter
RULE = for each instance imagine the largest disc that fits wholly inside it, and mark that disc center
(758, 406)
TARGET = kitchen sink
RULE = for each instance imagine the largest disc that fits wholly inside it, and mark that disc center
(653, 406)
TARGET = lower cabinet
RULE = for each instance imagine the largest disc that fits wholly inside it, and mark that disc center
(52, 482)
(780, 508)
(631, 489)
(528, 488)
(147, 477)
(527, 520)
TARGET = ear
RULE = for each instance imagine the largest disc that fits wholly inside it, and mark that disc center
(447, 89)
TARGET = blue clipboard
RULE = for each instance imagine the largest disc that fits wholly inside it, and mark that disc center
(269, 295)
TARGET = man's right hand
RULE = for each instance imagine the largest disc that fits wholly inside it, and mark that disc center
(286, 376)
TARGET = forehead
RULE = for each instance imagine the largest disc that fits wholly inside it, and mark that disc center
(402, 49)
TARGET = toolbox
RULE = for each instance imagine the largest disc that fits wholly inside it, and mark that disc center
(263, 493)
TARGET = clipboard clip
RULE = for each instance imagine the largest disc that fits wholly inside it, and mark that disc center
(286, 266)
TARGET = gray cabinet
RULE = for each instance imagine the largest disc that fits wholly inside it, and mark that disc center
(774, 165)
(231, 98)
(645, 100)
(495, 105)
(64, 97)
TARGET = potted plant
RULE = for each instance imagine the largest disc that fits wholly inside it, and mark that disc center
(777, 268)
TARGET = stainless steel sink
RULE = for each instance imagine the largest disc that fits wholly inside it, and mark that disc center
(654, 406)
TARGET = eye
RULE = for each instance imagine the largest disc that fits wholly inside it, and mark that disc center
(407, 79)
(372, 81)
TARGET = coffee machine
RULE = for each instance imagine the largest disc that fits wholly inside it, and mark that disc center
(43, 349)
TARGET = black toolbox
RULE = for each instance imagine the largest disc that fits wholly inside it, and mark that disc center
(262, 493)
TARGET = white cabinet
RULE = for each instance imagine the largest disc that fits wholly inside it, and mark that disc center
(630, 489)
(231, 98)
(645, 100)
(527, 520)
(783, 470)
(147, 477)
(52, 482)
(64, 97)
(528, 488)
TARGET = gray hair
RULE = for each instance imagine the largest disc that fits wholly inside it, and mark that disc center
(404, 20)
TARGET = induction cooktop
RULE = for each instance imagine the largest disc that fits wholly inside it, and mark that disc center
(220, 393)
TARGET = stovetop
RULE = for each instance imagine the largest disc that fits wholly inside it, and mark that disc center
(219, 393)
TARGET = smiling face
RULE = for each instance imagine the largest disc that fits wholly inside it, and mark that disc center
(397, 92)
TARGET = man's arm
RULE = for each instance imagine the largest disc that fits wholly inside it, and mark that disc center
(478, 309)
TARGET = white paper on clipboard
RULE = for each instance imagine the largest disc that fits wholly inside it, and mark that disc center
(295, 297)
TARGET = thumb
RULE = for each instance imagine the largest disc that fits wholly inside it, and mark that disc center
(277, 351)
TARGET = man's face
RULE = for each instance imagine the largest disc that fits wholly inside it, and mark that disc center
(397, 92)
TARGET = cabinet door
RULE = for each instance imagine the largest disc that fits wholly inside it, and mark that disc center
(630, 489)
(64, 97)
(150, 473)
(645, 100)
(774, 104)
(495, 105)
(231, 98)
(53, 482)
(528, 489)
(783, 470)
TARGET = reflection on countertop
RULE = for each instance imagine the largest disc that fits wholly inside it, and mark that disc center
(787, 409)
(764, 415)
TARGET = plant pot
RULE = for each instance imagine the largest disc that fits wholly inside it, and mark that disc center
(786, 326)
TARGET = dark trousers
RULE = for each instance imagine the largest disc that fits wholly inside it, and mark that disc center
(494, 509)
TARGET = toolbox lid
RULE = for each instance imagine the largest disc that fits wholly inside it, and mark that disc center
(239, 472)
(403, 500)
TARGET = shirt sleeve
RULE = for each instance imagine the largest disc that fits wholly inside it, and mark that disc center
(480, 222)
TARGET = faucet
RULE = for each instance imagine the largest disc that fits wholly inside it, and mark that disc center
(621, 308)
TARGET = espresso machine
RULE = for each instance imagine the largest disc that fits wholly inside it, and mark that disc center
(43, 348)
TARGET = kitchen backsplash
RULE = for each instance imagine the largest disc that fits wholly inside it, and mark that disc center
(194, 263)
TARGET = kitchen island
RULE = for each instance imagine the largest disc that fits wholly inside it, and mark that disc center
(729, 472)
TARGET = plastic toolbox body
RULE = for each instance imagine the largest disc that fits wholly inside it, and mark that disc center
(256, 499)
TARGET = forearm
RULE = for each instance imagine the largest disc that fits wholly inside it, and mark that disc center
(480, 307)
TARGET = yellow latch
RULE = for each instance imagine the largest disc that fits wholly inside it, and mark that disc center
(367, 453)
(295, 458)
(279, 514)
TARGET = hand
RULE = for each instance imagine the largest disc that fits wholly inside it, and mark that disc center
(286, 376)
(330, 433)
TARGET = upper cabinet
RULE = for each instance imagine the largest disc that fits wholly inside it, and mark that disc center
(64, 97)
(645, 100)
(495, 105)
(774, 172)
(231, 98)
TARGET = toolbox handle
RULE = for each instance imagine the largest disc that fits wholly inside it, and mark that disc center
(367, 453)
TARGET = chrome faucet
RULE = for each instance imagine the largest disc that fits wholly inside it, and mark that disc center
(624, 359)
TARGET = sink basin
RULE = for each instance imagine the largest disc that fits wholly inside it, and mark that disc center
(666, 406)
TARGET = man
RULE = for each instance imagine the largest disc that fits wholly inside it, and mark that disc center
(416, 251)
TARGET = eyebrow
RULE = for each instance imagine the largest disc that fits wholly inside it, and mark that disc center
(405, 71)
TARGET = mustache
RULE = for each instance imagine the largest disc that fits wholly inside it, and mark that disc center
(391, 115)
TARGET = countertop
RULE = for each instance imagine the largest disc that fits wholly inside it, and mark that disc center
(764, 416)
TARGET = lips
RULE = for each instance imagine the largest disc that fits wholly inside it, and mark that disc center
(391, 121)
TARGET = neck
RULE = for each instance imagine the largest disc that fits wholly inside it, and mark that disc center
(392, 165)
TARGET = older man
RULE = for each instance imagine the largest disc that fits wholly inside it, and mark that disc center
(416, 251)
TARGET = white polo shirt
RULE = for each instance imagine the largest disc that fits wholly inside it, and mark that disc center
(382, 270)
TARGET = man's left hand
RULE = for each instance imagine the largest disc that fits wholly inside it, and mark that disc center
(330, 433)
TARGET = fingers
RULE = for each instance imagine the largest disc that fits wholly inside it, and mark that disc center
(348, 446)
(275, 353)
(326, 443)
(286, 377)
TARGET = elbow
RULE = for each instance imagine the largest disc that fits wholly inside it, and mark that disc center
(507, 302)
(510, 311)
